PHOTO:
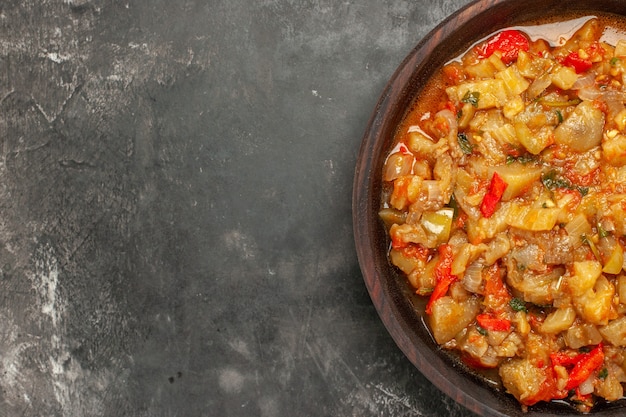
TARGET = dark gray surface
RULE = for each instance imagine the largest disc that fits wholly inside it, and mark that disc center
(175, 211)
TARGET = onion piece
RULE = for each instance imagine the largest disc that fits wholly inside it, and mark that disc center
(539, 85)
(586, 387)
(451, 121)
(585, 81)
(589, 93)
(398, 165)
(577, 227)
(473, 277)
(582, 130)
(432, 191)
(453, 126)
(531, 256)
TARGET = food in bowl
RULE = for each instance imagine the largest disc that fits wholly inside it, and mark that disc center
(505, 205)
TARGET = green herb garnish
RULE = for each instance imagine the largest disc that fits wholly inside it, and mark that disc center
(471, 97)
(518, 305)
(522, 159)
(559, 115)
(464, 143)
(481, 330)
(552, 181)
(603, 373)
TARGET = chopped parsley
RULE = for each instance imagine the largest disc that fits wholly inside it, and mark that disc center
(603, 374)
(471, 97)
(553, 181)
(518, 155)
(464, 143)
(559, 115)
(518, 305)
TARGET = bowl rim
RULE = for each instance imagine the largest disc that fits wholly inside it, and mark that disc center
(459, 385)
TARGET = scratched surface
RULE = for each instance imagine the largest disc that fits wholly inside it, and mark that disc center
(175, 214)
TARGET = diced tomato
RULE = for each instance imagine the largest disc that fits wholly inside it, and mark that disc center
(512, 151)
(450, 106)
(443, 276)
(493, 196)
(496, 294)
(591, 178)
(579, 64)
(461, 220)
(496, 324)
(508, 42)
(416, 251)
(454, 73)
(601, 105)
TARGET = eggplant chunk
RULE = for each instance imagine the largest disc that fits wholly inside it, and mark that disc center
(582, 130)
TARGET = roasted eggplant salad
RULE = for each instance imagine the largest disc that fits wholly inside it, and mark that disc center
(504, 198)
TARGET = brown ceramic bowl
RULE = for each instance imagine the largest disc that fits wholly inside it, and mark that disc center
(388, 290)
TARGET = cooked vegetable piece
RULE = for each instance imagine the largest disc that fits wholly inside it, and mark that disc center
(443, 276)
(558, 321)
(528, 382)
(582, 130)
(615, 332)
(497, 187)
(449, 317)
(438, 224)
(518, 177)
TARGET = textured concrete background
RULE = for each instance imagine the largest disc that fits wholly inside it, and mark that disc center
(175, 208)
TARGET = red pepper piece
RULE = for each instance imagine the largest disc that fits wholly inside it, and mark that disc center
(508, 42)
(443, 276)
(495, 324)
(493, 196)
(586, 365)
(563, 359)
(575, 61)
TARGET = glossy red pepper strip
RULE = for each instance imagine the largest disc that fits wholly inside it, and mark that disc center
(508, 42)
(495, 324)
(493, 196)
(443, 275)
(586, 365)
(563, 359)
